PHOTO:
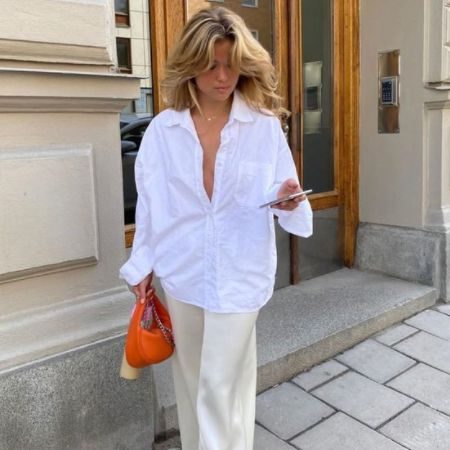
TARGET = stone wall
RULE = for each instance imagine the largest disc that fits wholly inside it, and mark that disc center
(63, 308)
(404, 177)
(76, 400)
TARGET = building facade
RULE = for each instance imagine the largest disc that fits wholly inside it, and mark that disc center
(382, 191)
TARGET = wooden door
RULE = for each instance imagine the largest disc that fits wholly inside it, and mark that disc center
(323, 109)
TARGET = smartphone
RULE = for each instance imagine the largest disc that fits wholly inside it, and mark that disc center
(288, 197)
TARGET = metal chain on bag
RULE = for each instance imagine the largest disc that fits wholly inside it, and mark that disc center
(167, 332)
(151, 314)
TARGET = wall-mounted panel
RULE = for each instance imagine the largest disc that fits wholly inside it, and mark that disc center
(48, 220)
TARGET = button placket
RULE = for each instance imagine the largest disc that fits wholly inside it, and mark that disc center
(210, 266)
(222, 154)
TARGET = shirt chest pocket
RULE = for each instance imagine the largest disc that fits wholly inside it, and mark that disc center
(252, 183)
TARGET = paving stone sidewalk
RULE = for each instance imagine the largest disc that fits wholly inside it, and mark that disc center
(390, 392)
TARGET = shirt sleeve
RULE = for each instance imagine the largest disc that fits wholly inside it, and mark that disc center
(141, 260)
(298, 221)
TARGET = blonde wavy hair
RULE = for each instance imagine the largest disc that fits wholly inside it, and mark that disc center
(194, 54)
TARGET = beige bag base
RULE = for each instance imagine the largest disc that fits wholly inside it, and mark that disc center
(127, 372)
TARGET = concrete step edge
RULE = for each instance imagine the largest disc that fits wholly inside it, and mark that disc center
(289, 365)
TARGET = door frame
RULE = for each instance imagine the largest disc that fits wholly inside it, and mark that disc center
(345, 195)
(346, 93)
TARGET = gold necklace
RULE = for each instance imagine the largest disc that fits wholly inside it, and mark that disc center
(214, 116)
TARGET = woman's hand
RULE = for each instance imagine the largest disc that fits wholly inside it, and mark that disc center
(290, 186)
(141, 289)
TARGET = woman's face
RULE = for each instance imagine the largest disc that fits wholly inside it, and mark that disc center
(218, 83)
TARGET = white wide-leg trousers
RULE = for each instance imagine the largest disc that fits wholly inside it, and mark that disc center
(214, 369)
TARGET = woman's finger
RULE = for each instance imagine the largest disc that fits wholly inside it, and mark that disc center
(287, 206)
(142, 291)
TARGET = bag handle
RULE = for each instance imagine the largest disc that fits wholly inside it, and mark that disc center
(167, 332)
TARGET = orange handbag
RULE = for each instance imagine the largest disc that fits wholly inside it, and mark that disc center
(150, 337)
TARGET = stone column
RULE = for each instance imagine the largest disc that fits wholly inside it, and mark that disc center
(437, 132)
(63, 308)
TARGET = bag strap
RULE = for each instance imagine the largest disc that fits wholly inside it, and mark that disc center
(167, 332)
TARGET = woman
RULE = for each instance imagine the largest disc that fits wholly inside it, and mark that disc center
(205, 166)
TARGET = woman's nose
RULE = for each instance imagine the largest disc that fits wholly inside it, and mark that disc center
(222, 73)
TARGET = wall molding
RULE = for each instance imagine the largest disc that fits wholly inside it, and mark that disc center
(14, 104)
(25, 90)
(15, 50)
(436, 171)
(36, 185)
(32, 335)
(58, 31)
(437, 39)
(438, 104)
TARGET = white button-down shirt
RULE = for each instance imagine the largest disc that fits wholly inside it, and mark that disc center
(217, 254)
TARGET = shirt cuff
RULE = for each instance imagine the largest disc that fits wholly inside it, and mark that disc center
(297, 221)
(135, 269)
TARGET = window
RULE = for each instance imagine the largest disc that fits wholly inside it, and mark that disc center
(144, 104)
(250, 3)
(124, 55)
(134, 56)
(122, 9)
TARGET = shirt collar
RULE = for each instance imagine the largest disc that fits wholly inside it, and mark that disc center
(182, 118)
(240, 111)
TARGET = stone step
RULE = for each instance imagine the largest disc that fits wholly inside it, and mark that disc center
(306, 324)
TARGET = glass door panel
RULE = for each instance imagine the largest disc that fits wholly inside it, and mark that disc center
(321, 253)
(318, 154)
(257, 14)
